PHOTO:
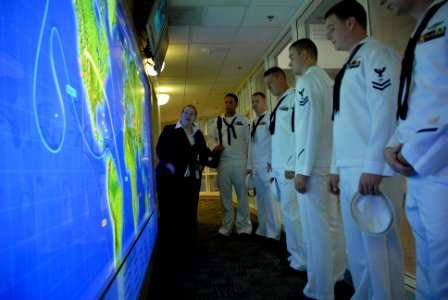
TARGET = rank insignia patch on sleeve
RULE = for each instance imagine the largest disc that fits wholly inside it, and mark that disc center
(303, 101)
(381, 84)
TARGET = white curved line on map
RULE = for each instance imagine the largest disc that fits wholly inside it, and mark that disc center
(106, 100)
(36, 65)
(54, 33)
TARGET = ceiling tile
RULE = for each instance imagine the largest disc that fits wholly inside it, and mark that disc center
(161, 80)
(296, 3)
(213, 35)
(209, 2)
(208, 49)
(257, 35)
(227, 79)
(195, 71)
(177, 50)
(178, 35)
(200, 79)
(230, 16)
(257, 16)
(205, 61)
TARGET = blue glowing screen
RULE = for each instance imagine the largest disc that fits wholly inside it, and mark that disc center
(76, 179)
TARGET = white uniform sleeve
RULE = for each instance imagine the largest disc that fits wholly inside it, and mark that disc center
(247, 136)
(249, 152)
(291, 162)
(213, 139)
(308, 121)
(426, 151)
(382, 78)
(333, 169)
(394, 140)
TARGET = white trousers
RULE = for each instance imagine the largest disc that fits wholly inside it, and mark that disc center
(284, 190)
(376, 263)
(326, 258)
(268, 209)
(233, 174)
(427, 212)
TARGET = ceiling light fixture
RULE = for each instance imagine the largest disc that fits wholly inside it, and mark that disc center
(163, 99)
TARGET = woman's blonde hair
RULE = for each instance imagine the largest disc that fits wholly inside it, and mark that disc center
(192, 107)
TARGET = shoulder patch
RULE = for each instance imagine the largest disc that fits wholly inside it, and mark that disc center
(435, 31)
(354, 64)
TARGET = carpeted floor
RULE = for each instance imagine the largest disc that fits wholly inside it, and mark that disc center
(216, 267)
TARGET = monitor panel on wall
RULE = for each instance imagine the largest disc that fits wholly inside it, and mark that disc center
(77, 193)
(157, 31)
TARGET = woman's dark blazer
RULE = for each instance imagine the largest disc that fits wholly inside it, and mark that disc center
(174, 147)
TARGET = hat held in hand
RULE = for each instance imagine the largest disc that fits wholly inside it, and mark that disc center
(373, 214)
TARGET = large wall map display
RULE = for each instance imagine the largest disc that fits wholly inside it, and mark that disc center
(76, 179)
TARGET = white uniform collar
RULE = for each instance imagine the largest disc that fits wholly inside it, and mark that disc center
(178, 125)
(310, 69)
(287, 92)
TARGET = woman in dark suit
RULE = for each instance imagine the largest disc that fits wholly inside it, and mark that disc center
(182, 154)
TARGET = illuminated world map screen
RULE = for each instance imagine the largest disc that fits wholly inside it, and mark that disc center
(76, 182)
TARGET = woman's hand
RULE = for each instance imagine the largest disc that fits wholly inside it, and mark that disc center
(171, 168)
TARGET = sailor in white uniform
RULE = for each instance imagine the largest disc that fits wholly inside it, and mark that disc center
(233, 148)
(364, 105)
(268, 209)
(283, 164)
(321, 219)
(419, 148)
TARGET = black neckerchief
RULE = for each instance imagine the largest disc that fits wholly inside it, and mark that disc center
(230, 127)
(407, 64)
(254, 127)
(338, 81)
(272, 117)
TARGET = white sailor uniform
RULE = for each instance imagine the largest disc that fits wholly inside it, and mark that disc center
(283, 158)
(268, 210)
(362, 127)
(320, 214)
(424, 135)
(232, 171)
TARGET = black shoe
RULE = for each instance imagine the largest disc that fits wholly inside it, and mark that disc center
(283, 262)
(293, 272)
(298, 295)
(220, 236)
(244, 236)
(343, 290)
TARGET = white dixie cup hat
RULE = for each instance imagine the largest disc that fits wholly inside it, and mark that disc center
(373, 214)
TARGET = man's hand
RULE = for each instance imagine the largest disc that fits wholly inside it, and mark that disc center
(369, 184)
(333, 184)
(289, 174)
(218, 148)
(397, 162)
(300, 183)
